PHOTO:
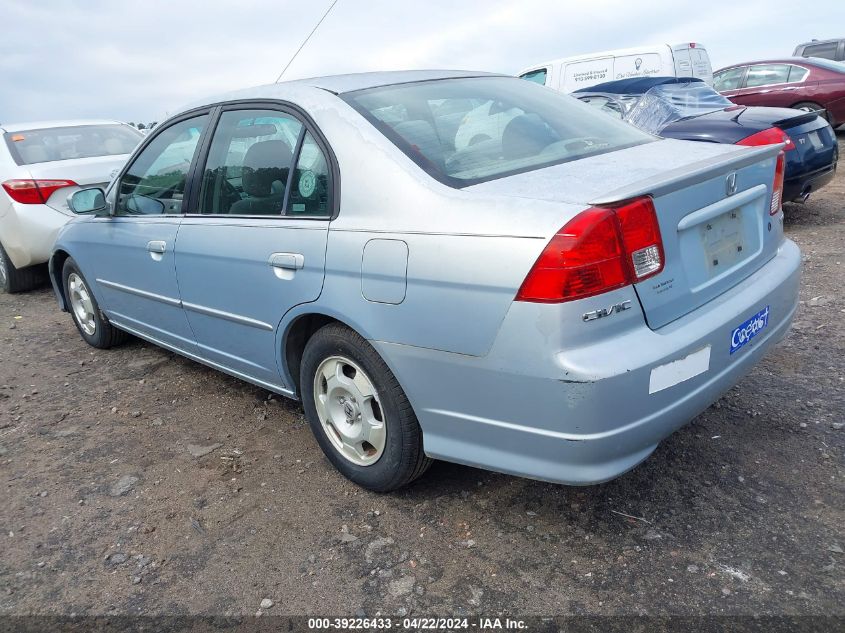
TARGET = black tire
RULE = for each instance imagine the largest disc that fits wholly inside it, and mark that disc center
(403, 459)
(104, 335)
(809, 105)
(18, 279)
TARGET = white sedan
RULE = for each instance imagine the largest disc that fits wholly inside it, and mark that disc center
(40, 165)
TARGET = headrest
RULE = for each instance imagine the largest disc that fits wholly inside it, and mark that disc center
(264, 163)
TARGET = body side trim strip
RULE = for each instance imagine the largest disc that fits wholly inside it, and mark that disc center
(140, 293)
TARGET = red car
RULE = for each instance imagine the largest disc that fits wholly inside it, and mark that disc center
(793, 82)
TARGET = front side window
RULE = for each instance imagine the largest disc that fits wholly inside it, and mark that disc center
(767, 75)
(825, 51)
(249, 163)
(155, 182)
(466, 131)
(537, 76)
(728, 79)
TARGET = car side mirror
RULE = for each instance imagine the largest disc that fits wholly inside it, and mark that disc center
(88, 202)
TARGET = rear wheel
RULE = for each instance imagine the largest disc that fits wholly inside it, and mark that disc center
(358, 412)
(810, 106)
(17, 279)
(91, 323)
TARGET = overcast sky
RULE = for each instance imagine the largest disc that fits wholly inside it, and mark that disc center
(139, 60)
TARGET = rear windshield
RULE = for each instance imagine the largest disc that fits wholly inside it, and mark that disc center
(466, 131)
(838, 67)
(668, 103)
(65, 143)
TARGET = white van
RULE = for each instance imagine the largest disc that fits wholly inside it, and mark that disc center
(662, 60)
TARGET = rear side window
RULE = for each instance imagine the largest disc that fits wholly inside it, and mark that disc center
(249, 163)
(310, 187)
(466, 131)
(797, 73)
(728, 79)
(66, 143)
(537, 76)
(155, 182)
(825, 51)
(264, 163)
(766, 75)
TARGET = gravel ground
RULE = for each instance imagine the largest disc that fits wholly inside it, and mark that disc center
(137, 482)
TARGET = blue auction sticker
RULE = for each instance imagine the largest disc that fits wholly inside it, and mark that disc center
(749, 329)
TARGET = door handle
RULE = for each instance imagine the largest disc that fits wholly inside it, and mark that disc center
(285, 265)
(287, 261)
(157, 249)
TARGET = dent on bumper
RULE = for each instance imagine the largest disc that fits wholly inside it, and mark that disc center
(594, 419)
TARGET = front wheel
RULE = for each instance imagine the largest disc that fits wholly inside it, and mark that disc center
(359, 413)
(91, 323)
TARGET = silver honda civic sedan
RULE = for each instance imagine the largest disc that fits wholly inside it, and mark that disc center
(442, 265)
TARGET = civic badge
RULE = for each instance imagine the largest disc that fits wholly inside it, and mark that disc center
(730, 184)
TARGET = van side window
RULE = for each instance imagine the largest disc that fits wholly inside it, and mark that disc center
(537, 76)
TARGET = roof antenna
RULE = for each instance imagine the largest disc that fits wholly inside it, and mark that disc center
(301, 46)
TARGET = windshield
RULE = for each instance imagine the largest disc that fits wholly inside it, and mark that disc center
(662, 105)
(466, 131)
(66, 143)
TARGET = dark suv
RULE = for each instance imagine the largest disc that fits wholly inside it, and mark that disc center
(826, 49)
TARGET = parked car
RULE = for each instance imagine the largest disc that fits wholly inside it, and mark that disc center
(812, 84)
(551, 302)
(40, 165)
(691, 110)
(825, 49)
(582, 71)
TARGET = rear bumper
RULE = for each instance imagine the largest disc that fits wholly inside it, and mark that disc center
(796, 188)
(585, 414)
(28, 232)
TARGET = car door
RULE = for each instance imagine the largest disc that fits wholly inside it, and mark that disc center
(134, 248)
(254, 245)
(765, 84)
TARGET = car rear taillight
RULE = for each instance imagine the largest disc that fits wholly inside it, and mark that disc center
(34, 191)
(770, 136)
(777, 185)
(600, 249)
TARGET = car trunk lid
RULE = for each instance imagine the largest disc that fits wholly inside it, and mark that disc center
(712, 204)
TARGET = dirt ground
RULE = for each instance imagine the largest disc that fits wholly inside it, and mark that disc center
(106, 510)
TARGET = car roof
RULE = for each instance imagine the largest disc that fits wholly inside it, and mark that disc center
(776, 60)
(637, 85)
(334, 84)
